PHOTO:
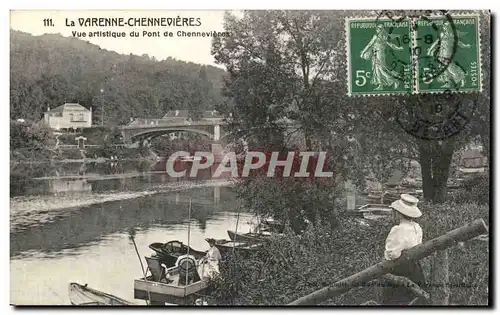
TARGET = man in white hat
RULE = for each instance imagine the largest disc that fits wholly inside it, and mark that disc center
(405, 235)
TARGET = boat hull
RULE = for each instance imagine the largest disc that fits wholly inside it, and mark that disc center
(372, 211)
(80, 295)
(160, 293)
(246, 238)
(227, 247)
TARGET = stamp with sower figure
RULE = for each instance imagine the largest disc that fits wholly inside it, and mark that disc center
(378, 56)
(452, 58)
(413, 54)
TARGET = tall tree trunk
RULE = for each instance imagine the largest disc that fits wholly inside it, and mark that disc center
(440, 276)
(435, 160)
(440, 172)
(426, 166)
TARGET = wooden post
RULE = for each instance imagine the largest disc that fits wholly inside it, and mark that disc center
(440, 275)
(418, 252)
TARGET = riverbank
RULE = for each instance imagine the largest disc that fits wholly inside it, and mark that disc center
(292, 266)
(89, 155)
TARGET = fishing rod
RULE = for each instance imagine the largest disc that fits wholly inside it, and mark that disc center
(236, 229)
(131, 233)
(189, 235)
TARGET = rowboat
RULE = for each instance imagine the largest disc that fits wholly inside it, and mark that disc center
(373, 211)
(169, 252)
(386, 197)
(226, 247)
(272, 226)
(248, 237)
(82, 295)
(170, 286)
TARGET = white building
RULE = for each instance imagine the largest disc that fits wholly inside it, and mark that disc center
(68, 116)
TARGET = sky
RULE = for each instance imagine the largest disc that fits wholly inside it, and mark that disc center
(194, 49)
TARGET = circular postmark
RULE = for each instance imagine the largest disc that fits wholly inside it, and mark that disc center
(432, 42)
(435, 116)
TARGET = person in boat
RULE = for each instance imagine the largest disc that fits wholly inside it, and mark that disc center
(211, 260)
(405, 235)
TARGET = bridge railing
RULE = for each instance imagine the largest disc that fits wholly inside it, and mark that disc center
(160, 122)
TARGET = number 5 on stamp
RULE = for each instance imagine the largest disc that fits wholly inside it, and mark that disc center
(378, 56)
(450, 59)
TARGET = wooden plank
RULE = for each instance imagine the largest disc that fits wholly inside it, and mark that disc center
(418, 252)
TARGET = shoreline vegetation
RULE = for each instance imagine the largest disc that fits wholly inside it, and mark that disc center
(295, 264)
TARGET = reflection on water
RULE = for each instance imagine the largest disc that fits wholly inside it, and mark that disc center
(69, 223)
(73, 228)
(58, 186)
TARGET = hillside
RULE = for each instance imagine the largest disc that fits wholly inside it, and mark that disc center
(49, 70)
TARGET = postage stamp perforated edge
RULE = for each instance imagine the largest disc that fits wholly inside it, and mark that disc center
(348, 52)
(479, 48)
(415, 86)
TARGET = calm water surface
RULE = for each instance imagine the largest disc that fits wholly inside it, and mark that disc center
(69, 223)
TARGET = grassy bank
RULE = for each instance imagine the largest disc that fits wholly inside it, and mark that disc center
(295, 265)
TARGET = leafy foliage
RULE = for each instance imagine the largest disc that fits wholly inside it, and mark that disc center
(291, 266)
(291, 64)
(293, 202)
(476, 189)
(29, 135)
(49, 70)
(468, 262)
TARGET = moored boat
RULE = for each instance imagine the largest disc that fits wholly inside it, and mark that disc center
(169, 252)
(82, 295)
(248, 237)
(226, 247)
(180, 285)
(372, 211)
(272, 226)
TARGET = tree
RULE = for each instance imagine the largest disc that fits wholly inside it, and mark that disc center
(49, 70)
(281, 65)
(277, 61)
(29, 135)
(291, 64)
(380, 120)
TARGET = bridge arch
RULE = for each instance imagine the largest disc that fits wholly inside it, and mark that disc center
(144, 134)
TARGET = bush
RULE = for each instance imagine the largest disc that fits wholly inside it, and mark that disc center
(468, 265)
(29, 135)
(294, 202)
(475, 189)
(292, 266)
(68, 139)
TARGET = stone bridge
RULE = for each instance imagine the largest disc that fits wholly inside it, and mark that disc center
(214, 129)
(142, 129)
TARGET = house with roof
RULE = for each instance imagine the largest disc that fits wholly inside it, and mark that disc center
(68, 116)
(472, 157)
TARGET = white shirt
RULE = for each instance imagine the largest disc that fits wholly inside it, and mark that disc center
(213, 254)
(403, 236)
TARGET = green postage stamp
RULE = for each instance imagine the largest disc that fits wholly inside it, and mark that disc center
(427, 54)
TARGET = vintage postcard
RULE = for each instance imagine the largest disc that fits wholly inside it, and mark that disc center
(244, 157)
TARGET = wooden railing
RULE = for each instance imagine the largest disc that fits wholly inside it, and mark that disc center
(461, 234)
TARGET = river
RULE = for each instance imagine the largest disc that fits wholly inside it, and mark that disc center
(69, 223)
